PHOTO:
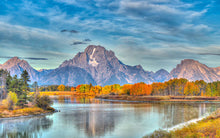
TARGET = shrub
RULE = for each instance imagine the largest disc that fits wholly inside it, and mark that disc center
(43, 102)
(22, 100)
(51, 109)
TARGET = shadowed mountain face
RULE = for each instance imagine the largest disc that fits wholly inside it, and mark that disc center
(68, 75)
(161, 75)
(99, 66)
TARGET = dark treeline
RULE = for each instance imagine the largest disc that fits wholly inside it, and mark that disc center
(54, 88)
(17, 85)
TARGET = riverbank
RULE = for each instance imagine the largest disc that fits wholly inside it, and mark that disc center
(159, 98)
(208, 127)
(28, 111)
(63, 93)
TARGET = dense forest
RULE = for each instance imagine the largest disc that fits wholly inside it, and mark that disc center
(173, 87)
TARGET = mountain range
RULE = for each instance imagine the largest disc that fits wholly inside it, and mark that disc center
(99, 66)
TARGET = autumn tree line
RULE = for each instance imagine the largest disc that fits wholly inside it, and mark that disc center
(15, 91)
(173, 87)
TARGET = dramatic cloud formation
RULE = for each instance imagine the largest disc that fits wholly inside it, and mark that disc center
(153, 33)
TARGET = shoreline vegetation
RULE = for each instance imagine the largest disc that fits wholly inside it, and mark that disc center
(207, 127)
(23, 112)
(15, 98)
(133, 97)
(62, 93)
(159, 98)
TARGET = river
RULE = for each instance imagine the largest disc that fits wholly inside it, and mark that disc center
(89, 117)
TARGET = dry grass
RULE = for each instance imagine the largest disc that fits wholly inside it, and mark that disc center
(158, 98)
(55, 93)
(207, 128)
(5, 113)
(63, 93)
(134, 98)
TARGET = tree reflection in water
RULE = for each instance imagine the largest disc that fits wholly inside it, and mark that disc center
(24, 127)
(177, 113)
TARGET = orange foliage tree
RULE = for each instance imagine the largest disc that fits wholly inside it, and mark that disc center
(72, 89)
(141, 89)
(126, 89)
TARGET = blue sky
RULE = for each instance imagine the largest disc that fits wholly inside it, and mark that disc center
(154, 33)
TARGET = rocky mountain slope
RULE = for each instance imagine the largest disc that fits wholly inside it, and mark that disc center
(99, 66)
(105, 68)
(217, 70)
(69, 75)
(16, 66)
(161, 75)
(193, 70)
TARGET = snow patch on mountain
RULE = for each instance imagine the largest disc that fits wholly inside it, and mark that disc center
(92, 60)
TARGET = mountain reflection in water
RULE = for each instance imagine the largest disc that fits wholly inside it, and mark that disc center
(88, 117)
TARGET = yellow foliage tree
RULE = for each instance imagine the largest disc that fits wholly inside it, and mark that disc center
(11, 100)
(61, 87)
(191, 89)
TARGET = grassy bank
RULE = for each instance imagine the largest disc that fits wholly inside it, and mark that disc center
(133, 97)
(54, 93)
(5, 113)
(208, 127)
(49, 93)
(158, 98)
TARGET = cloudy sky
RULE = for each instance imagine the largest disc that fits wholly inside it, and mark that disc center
(154, 33)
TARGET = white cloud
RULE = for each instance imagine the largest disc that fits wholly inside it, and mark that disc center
(28, 41)
(161, 8)
(165, 25)
(167, 56)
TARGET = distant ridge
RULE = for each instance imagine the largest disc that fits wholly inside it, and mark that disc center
(16, 66)
(194, 70)
(99, 66)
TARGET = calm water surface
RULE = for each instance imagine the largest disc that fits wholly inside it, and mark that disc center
(88, 118)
